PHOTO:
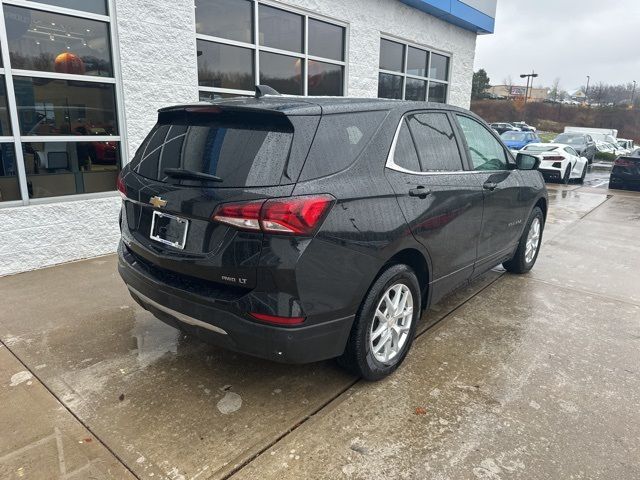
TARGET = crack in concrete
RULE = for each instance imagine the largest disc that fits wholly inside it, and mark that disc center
(56, 434)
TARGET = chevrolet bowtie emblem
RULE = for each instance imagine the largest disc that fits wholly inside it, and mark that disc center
(158, 202)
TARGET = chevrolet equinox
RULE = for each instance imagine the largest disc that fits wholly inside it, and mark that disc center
(299, 229)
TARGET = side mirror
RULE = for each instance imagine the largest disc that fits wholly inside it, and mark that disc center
(527, 162)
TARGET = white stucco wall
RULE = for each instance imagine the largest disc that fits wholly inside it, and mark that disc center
(367, 19)
(158, 60)
(157, 50)
(41, 235)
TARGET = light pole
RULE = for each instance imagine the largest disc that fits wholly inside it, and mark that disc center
(633, 94)
(586, 94)
(529, 77)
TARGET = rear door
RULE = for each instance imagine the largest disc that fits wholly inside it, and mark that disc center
(506, 209)
(439, 198)
(167, 219)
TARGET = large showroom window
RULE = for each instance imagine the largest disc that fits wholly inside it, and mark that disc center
(59, 128)
(411, 72)
(242, 43)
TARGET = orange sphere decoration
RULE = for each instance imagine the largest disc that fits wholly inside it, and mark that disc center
(68, 62)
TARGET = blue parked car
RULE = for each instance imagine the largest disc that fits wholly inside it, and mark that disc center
(519, 140)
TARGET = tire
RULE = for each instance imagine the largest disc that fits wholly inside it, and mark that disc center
(584, 173)
(522, 262)
(567, 176)
(360, 356)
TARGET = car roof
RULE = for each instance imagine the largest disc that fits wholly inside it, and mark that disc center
(294, 105)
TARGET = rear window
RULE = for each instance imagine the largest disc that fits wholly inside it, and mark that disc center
(539, 148)
(244, 150)
(339, 141)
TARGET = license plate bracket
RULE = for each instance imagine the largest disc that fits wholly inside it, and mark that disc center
(169, 229)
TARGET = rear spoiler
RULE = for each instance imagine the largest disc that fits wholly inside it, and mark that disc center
(229, 116)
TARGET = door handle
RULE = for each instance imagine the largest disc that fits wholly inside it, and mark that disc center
(420, 192)
(491, 186)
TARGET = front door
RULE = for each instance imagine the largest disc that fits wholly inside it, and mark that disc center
(506, 204)
(440, 200)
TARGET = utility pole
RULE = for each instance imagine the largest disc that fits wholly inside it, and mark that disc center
(529, 77)
(633, 94)
(586, 94)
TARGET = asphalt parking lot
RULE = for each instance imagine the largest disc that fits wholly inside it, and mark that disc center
(598, 175)
(528, 377)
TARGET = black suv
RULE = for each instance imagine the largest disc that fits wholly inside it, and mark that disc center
(300, 229)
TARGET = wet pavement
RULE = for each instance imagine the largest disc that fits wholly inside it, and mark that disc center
(533, 376)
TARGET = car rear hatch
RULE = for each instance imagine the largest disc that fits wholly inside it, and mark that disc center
(196, 159)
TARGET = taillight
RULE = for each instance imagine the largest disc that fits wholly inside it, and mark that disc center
(122, 188)
(623, 162)
(244, 215)
(292, 216)
(275, 320)
(295, 215)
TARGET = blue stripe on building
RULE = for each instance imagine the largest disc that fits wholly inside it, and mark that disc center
(457, 13)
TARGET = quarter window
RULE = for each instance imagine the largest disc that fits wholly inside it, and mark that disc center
(231, 61)
(408, 72)
(405, 155)
(339, 141)
(485, 151)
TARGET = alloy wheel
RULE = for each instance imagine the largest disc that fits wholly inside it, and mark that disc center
(391, 323)
(533, 240)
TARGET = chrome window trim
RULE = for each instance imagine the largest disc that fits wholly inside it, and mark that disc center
(392, 165)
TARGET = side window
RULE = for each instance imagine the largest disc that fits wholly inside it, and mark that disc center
(435, 141)
(486, 152)
(571, 151)
(405, 155)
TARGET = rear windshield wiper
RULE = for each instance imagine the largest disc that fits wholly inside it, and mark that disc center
(190, 175)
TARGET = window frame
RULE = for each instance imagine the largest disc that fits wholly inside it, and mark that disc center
(18, 139)
(257, 48)
(404, 75)
(460, 141)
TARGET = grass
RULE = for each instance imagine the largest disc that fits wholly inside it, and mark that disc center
(547, 137)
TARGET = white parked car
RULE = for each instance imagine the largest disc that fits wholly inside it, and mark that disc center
(609, 147)
(604, 147)
(558, 162)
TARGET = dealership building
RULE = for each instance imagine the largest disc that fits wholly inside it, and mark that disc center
(81, 82)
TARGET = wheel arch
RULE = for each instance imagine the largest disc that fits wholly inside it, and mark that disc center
(415, 259)
(543, 205)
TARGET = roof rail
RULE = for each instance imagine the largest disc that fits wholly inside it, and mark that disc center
(262, 90)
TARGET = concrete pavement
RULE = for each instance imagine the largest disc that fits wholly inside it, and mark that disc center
(513, 377)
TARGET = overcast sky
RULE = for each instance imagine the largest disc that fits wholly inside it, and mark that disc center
(566, 39)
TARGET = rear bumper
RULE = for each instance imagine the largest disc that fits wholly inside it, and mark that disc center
(222, 324)
(624, 182)
(551, 175)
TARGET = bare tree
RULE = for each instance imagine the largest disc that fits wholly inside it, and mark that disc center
(508, 82)
(554, 93)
